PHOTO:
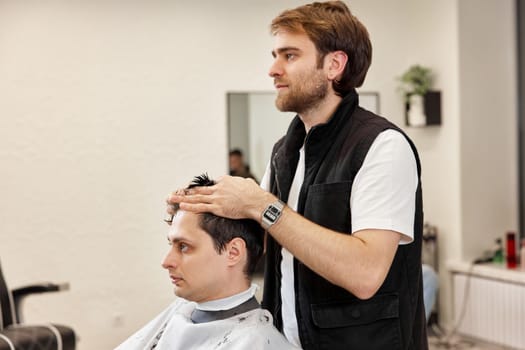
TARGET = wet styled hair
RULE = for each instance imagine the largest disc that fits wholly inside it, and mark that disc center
(332, 27)
(222, 230)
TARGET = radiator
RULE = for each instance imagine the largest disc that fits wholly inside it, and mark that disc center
(494, 309)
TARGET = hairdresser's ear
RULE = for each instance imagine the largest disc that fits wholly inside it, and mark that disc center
(236, 251)
(335, 62)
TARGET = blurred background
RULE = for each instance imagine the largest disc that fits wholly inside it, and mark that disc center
(107, 106)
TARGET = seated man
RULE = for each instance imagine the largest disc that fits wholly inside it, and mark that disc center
(210, 264)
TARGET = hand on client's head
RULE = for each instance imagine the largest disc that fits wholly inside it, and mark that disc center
(173, 200)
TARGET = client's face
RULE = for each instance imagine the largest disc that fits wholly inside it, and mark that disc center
(196, 270)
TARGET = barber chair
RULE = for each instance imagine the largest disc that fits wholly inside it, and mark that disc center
(15, 335)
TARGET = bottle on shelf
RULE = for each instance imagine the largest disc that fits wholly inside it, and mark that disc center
(511, 250)
(498, 252)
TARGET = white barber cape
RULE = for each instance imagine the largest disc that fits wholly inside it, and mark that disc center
(174, 330)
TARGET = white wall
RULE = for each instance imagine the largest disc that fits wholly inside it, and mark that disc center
(488, 122)
(107, 106)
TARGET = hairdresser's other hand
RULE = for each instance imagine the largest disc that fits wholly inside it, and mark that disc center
(232, 197)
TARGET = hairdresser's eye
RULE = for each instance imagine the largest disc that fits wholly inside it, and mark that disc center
(290, 56)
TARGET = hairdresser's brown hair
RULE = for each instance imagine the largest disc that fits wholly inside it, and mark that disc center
(332, 27)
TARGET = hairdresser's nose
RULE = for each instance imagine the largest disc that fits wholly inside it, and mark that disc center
(276, 69)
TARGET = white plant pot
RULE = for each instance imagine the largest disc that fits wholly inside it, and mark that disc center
(416, 111)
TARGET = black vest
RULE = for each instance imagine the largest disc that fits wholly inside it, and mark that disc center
(330, 317)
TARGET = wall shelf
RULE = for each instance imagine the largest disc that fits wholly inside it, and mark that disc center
(431, 109)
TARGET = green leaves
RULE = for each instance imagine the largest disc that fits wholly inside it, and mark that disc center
(416, 80)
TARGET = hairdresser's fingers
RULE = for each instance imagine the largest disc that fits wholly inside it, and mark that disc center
(171, 206)
(202, 190)
(195, 198)
(174, 197)
(201, 208)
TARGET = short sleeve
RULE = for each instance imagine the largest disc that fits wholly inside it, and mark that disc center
(384, 189)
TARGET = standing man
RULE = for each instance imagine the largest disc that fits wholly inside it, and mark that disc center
(341, 199)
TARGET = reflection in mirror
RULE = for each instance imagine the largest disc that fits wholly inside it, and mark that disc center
(255, 124)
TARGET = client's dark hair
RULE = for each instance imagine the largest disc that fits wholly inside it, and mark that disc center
(222, 230)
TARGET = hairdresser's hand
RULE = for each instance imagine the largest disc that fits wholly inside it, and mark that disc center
(232, 197)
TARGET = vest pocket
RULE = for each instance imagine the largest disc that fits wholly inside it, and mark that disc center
(329, 205)
(371, 324)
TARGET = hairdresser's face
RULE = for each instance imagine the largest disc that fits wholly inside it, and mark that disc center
(197, 272)
(301, 86)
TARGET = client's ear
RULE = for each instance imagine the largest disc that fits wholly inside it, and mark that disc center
(236, 251)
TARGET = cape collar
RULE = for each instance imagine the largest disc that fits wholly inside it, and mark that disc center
(202, 316)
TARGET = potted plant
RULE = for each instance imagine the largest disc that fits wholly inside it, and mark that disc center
(416, 80)
(415, 85)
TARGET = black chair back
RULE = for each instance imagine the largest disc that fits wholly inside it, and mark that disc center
(6, 303)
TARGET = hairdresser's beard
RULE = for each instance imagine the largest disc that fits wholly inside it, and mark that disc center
(303, 93)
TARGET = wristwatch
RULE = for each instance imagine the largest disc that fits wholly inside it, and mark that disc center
(271, 214)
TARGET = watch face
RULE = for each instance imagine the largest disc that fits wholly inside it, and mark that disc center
(272, 213)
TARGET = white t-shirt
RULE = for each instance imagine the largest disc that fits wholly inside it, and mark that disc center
(382, 197)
